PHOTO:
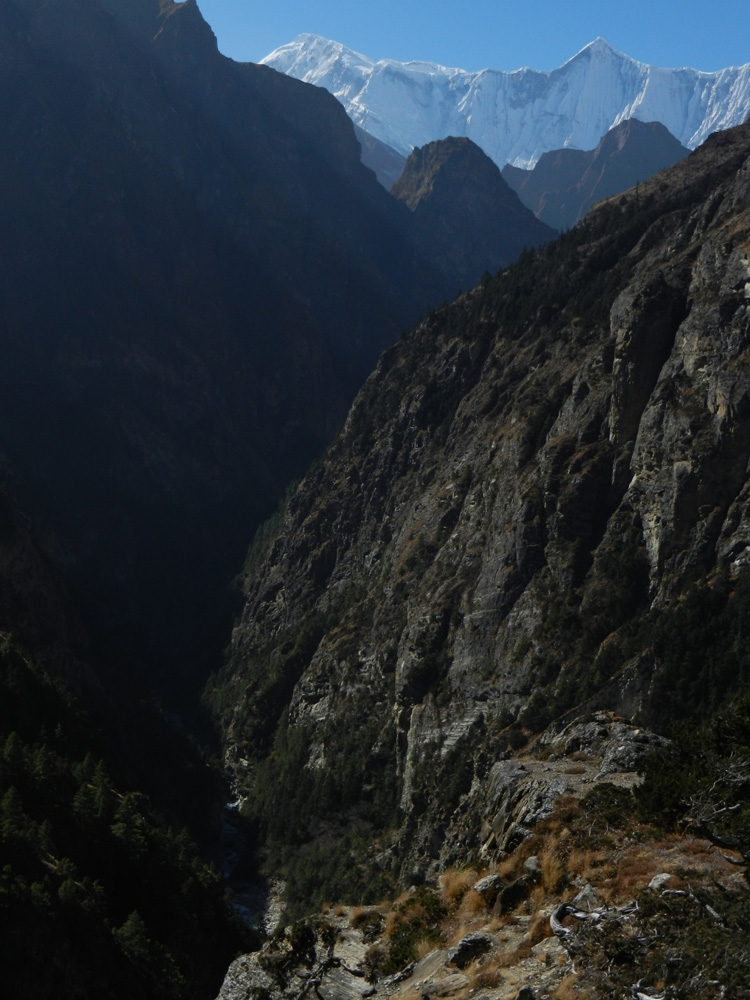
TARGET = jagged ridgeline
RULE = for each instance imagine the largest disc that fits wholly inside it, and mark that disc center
(540, 502)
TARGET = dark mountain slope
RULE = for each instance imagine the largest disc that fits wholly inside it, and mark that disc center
(99, 895)
(197, 273)
(464, 211)
(102, 890)
(565, 183)
(539, 503)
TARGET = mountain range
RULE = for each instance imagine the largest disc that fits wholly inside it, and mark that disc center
(503, 521)
(564, 184)
(517, 116)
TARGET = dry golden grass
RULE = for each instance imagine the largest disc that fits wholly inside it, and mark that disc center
(486, 979)
(423, 947)
(375, 953)
(697, 848)
(453, 931)
(390, 923)
(539, 929)
(552, 868)
(534, 901)
(567, 989)
(633, 871)
(454, 884)
(361, 915)
(507, 959)
(472, 905)
(509, 866)
(496, 923)
(587, 863)
(392, 914)
(570, 850)
(567, 810)
(488, 973)
(470, 915)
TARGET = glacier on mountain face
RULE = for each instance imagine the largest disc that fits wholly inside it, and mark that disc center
(516, 116)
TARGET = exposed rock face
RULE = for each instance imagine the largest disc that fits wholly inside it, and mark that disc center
(565, 183)
(526, 487)
(592, 879)
(469, 948)
(518, 794)
(645, 913)
(336, 965)
(454, 190)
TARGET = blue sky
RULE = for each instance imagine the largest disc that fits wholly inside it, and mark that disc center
(477, 34)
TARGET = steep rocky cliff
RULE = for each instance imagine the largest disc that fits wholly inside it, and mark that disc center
(538, 505)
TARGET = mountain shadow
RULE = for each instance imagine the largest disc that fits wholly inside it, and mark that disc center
(197, 274)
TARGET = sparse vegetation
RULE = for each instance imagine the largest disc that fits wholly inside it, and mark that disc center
(413, 921)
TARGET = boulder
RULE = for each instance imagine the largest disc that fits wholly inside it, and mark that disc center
(488, 888)
(469, 948)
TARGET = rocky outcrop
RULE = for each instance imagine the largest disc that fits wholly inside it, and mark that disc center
(638, 901)
(331, 957)
(320, 954)
(519, 794)
(530, 493)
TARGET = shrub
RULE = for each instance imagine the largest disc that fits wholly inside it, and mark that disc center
(416, 919)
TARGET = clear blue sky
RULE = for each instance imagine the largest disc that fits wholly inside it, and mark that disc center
(477, 34)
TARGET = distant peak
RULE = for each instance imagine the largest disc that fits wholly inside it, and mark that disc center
(309, 47)
(308, 42)
(310, 38)
(599, 47)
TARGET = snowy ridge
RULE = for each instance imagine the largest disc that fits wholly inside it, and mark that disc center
(516, 116)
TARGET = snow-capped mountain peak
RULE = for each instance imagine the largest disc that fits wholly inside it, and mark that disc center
(518, 115)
